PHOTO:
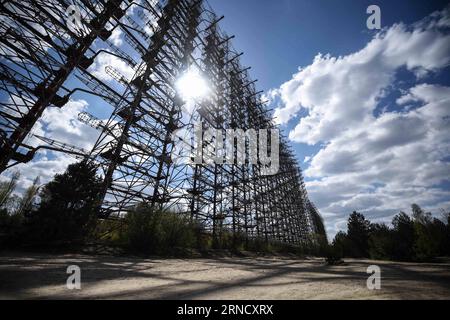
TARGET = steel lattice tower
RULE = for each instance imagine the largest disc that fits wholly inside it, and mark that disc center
(44, 63)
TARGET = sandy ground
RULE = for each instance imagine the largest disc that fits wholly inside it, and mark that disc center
(42, 276)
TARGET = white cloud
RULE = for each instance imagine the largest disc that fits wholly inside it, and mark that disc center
(339, 92)
(104, 60)
(63, 126)
(44, 168)
(116, 37)
(376, 164)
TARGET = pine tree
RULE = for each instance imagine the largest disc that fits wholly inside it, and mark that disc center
(403, 237)
(358, 234)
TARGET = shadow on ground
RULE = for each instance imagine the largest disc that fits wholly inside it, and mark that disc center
(41, 276)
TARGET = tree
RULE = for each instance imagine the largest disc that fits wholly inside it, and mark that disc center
(358, 235)
(419, 238)
(68, 208)
(446, 219)
(429, 234)
(426, 245)
(10, 223)
(340, 244)
(403, 237)
(381, 242)
(419, 215)
(438, 232)
(26, 202)
(7, 188)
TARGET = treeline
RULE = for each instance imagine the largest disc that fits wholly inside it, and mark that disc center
(419, 237)
(64, 214)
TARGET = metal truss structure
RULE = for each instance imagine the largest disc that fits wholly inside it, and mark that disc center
(47, 59)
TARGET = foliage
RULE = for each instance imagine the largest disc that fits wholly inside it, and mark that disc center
(13, 209)
(26, 202)
(67, 212)
(358, 235)
(381, 242)
(152, 231)
(419, 238)
(340, 242)
(7, 188)
(10, 227)
(403, 235)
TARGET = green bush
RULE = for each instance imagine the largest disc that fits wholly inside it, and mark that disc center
(285, 248)
(203, 238)
(258, 245)
(158, 232)
(110, 232)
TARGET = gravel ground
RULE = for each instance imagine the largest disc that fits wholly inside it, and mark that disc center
(43, 276)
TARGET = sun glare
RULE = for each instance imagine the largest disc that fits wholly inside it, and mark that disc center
(191, 85)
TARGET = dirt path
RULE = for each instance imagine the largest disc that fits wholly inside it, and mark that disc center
(40, 276)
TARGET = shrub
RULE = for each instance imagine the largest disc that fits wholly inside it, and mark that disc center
(110, 232)
(258, 245)
(158, 232)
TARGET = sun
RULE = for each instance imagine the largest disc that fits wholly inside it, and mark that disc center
(191, 85)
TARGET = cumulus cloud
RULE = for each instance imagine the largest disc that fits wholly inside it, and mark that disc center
(376, 162)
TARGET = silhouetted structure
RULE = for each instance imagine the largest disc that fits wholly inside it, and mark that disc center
(45, 62)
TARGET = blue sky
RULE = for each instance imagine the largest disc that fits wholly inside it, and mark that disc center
(367, 112)
(279, 36)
